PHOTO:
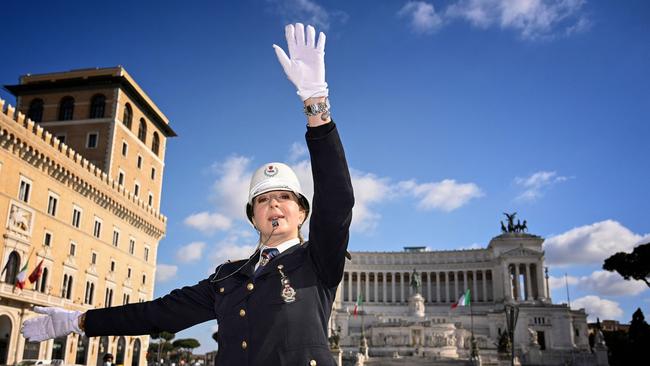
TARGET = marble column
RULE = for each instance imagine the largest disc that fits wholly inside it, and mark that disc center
(541, 289)
(507, 287)
(367, 294)
(403, 283)
(517, 289)
(358, 285)
(485, 296)
(455, 297)
(438, 287)
(375, 298)
(447, 285)
(384, 298)
(428, 299)
(529, 288)
(465, 283)
(475, 295)
(392, 286)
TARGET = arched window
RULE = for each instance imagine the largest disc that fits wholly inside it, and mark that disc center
(97, 106)
(121, 348)
(142, 131)
(135, 360)
(82, 351)
(127, 119)
(66, 109)
(43, 281)
(35, 112)
(155, 143)
(12, 267)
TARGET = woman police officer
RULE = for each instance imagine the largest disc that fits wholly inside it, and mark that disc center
(273, 308)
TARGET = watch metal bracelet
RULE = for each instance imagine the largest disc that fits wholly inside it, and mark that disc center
(316, 109)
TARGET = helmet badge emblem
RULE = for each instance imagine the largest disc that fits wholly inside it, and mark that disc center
(271, 171)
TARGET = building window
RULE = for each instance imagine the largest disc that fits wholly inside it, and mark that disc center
(125, 299)
(131, 246)
(150, 199)
(155, 143)
(139, 163)
(41, 284)
(47, 239)
(35, 112)
(73, 248)
(90, 292)
(93, 258)
(128, 273)
(136, 190)
(127, 118)
(142, 131)
(153, 173)
(12, 266)
(144, 279)
(66, 289)
(52, 202)
(112, 266)
(120, 178)
(116, 237)
(76, 216)
(97, 230)
(91, 140)
(66, 108)
(125, 148)
(24, 190)
(97, 106)
(108, 300)
(146, 254)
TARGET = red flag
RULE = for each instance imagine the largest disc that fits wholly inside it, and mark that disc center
(36, 273)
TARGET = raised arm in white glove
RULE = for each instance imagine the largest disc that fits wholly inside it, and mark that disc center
(305, 65)
(55, 323)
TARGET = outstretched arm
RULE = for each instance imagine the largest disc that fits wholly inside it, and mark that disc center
(333, 198)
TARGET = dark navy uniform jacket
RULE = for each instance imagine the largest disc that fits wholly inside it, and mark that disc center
(256, 325)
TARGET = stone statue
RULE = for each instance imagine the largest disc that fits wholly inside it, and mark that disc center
(532, 337)
(503, 228)
(335, 338)
(511, 221)
(416, 281)
(18, 219)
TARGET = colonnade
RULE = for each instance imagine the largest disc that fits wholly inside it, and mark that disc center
(525, 282)
(437, 286)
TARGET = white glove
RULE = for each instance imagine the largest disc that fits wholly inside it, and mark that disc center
(56, 323)
(306, 65)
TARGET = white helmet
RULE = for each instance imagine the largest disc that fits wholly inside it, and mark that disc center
(274, 177)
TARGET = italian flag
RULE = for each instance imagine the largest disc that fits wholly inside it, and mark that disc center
(463, 301)
(357, 305)
(21, 278)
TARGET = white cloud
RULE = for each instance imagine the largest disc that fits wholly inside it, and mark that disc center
(307, 12)
(231, 188)
(589, 244)
(598, 308)
(535, 184)
(208, 222)
(611, 284)
(370, 190)
(533, 19)
(446, 195)
(165, 272)
(297, 151)
(231, 247)
(191, 252)
(559, 282)
(601, 283)
(422, 15)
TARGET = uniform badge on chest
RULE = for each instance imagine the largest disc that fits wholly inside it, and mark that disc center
(288, 293)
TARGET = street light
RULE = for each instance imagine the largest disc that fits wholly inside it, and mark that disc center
(512, 313)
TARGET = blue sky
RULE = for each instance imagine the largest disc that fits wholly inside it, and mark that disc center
(451, 113)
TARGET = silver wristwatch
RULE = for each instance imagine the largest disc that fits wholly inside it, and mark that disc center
(317, 108)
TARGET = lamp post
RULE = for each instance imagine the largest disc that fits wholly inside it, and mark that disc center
(512, 313)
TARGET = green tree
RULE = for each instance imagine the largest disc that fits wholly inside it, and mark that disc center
(186, 345)
(633, 265)
(163, 343)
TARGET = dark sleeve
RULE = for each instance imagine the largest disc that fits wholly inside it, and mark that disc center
(331, 205)
(180, 309)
